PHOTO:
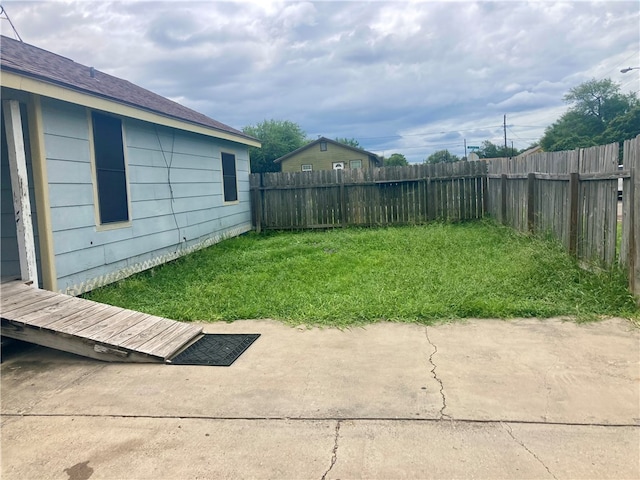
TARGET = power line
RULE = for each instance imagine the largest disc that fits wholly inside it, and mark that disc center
(428, 133)
(6, 17)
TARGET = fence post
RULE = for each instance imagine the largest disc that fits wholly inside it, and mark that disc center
(574, 179)
(531, 201)
(503, 191)
(259, 203)
(485, 195)
(634, 217)
(343, 202)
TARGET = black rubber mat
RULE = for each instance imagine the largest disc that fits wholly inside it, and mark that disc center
(217, 350)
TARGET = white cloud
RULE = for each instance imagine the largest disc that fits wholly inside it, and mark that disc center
(383, 72)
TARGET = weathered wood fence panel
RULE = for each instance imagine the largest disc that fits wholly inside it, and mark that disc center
(381, 196)
(571, 195)
(630, 243)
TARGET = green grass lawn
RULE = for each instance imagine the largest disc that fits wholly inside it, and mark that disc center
(353, 276)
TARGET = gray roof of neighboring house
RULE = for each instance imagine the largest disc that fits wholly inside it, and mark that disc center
(40, 64)
(373, 156)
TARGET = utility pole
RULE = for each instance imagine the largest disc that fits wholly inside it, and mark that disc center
(465, 148)
(505, 134)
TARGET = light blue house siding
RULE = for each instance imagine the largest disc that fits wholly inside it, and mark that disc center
(175, 194)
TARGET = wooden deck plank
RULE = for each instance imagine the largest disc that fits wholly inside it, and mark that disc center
(103, 330)
(167, 343)
(19, 299)
(68, 307)
(146, 335)
(17, 283)
(73, 344)
(92, 309)
(89, 328)
(11, 302)
(38, 304)
(80, 323)
(13, 286)
(48, 315)
(160, 338)
(121, 337)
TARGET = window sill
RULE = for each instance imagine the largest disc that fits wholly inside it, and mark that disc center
(112, 226)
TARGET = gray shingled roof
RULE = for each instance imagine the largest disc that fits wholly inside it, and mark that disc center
(35, 62)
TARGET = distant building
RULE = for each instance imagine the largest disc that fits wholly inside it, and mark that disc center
(326, 154)
(531, 151)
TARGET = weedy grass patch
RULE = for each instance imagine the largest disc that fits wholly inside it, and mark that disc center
(345, 277)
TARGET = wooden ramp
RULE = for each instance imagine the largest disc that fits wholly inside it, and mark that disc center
(89, 328)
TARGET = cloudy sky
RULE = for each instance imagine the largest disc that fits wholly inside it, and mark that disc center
(405, 76)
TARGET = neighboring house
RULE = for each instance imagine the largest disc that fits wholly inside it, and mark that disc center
(116, 178)
(531, 151)
(326, 154)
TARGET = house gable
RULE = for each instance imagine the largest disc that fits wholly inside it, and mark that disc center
(323, 153)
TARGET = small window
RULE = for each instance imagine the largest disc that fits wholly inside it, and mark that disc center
(111, 175)
(355, 164)
(229, 177)
(338, 165)
(307, 168)
(323, 146)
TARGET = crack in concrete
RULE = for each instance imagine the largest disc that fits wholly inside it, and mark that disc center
(435, 376)
(334, 452)
(548, 395)
(276, 418)
(508, 429)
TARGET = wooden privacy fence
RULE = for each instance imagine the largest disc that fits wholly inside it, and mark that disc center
(380, 196)
(573, 196)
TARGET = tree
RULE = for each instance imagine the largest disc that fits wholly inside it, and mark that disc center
(623, 127)
(278, 138)
(352, 142)
(395, 160)
(571, 130)
(491, 150)
(442, 156)
(600, 99)
(595, 106)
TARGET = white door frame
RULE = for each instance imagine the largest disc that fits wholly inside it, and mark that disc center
(20, 191)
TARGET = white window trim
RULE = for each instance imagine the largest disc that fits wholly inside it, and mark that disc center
(356, 160)
(310, 169)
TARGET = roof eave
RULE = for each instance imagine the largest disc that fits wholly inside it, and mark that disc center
(23, 81)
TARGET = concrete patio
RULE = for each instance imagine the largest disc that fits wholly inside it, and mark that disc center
(477, 399)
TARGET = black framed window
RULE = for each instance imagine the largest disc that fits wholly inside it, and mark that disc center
(229, 180)
(111, 174)
(323, 146)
